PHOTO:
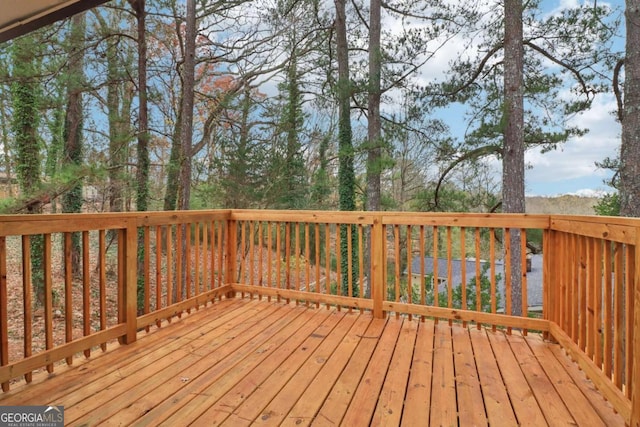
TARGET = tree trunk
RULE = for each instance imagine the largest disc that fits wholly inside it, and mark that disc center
(142, 174)
(188, 87)
(119, 108)
(346, 174)
(630, 149)
(72, 158)
(173, 168)
(186, 129)
(374, 167)
(513, 153)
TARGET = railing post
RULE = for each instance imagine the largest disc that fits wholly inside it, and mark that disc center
(548, 288)
(378, 246)
(232, 244)
(129, 258)
(4, 314)
(635, 351)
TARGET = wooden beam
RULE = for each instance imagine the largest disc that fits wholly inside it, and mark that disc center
(467, 316)
(53, 14)
(175, 309)
(359, 303)
(60, 352)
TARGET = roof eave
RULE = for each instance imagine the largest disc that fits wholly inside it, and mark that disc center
(56, 14)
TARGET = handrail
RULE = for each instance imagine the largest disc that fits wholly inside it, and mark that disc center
(446, 266)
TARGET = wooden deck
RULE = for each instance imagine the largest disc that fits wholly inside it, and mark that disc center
(242, 362)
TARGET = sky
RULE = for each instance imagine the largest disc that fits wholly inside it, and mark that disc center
(571, 169)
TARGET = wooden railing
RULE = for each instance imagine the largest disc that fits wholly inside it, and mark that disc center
(77, 311)
(591, 298)
(137, 271)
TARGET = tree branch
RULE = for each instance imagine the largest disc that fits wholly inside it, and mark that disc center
(477, 72)
(616, 88)
(576, 73)
(473, 154)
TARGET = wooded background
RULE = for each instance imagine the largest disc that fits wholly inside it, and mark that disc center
(302, 104)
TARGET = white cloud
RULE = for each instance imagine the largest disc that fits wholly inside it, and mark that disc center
(576, 159)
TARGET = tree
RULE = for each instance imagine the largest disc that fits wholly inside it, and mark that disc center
(629, 180)
(513, 147)
(72, 199)
(346, 174)
(142, 171)
(119, 101)
(26, 96)
(373, 122)
(188, 90)
(142, 174)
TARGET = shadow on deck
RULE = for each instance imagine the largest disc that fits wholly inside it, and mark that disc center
(243, 361)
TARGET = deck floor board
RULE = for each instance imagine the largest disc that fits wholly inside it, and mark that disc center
(246, 361)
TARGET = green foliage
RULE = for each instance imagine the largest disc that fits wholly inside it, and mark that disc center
(535, 237)
(320, 186)
(609, 205)
(344, 261)
(26, 96)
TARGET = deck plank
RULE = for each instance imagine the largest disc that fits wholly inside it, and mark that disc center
(391, 400)
(313, 397)
(471, 409)
(237, 360)
(286, 400)
(522, 399)
(599, 404)
(418, 398)
(204, 387)
(553, 408)
(271, 374)
(443, 388)
(289, 339)
(496, 400)
(251, 408)
(339, 399)
(575, 401)
(174, 371)
(49, 388)
(364, 400)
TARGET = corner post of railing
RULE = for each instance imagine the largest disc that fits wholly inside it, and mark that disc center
(232, 245)
(635, 351)
(548, 288)
(129, 258)
(378, 246)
